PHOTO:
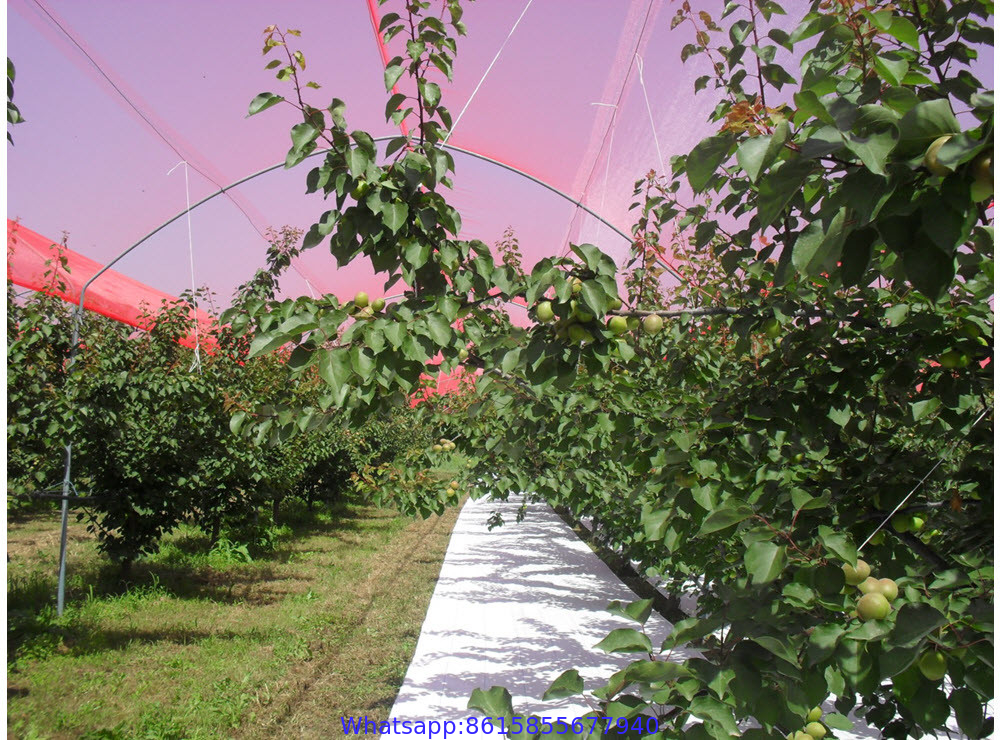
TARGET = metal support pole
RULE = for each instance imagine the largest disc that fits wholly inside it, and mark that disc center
(61, 592)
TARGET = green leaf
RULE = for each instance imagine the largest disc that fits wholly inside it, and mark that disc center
(823, 640)
(905, 32)
(927, 267)
(818, 245)
(724, 517)
(896, 314)
(335, 368)
(873, 150)
(303, 133)
(840, 417)
(394, 215)
(925, 122)
(440, 329)
(496, 702)
(778, 187)
(764, 561)
(654, 522)
(706, 158)
(637, 611)
(236, 422)
(625, 640)
(856, 255)
(929, 706)
(914, 622)
(922, 409)
(891, 70)
(968, 711)
(262, 102)
(837, 721)
(838, 544)
(357, 161)
(262, 344)
(569, 683)
(757, 153)
(392, 73)
(808, 102)
(655, 671)
(710, 708)
(416, 253)
(777, 647)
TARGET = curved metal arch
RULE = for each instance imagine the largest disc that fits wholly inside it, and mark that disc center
(78, 314)
(461, 150)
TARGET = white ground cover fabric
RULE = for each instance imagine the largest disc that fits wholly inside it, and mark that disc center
(516, 607)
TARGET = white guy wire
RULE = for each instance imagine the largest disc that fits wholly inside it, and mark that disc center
(922, 480)
(196, 364)
(652, 125)
(483, 78)
(611, 144)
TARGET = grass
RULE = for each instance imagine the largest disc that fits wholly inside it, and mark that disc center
(204, 644)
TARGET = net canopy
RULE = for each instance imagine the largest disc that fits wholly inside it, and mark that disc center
(586, 96)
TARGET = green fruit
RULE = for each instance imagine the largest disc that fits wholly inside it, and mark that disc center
(581, 314)
(814, 714)
(969, 330)
(931, 161)
(815, 730)
(953, 359)
(982, 168)
(888, 588)
(652, 324)
(633, 323)
(869, 585)
(772, 328)
(982, 174)
(579, 334)
(366, 312)
(615, 303)
(463, 353)
(854, 576)
(933, 665)
(378, 304)
(361, 299)
(577, 285)
(916, 523)
(453, 485)
(360, 190)
(901, 523)
(544, 312)
(878, 538)
(437, 448)
(803, 735)
(980, 191)
(618, 325)
(873, 606)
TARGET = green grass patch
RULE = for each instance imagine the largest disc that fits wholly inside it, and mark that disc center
(207, 642)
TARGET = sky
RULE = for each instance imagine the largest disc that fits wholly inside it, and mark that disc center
(116, 94)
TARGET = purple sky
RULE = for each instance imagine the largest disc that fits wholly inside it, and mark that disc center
(88, 163)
